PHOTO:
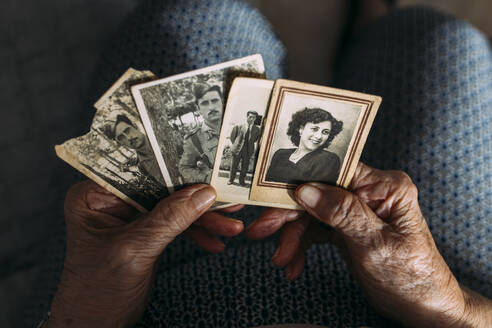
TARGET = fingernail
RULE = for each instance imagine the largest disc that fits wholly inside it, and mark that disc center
(239, 227)
(237, 221)
(293, 215)
(275, 255)
(220, 248)
(203, 198)
(319, 185)
(98, 201)
(289, 273)
(309, 195)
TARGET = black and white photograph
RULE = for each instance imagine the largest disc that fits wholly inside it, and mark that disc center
(313, 134)
(239, 139)
(183, 114)
(116, 152)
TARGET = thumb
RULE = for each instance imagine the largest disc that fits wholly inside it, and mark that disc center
(340, 209)
(171, 216)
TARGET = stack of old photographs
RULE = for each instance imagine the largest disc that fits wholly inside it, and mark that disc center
(252, 139)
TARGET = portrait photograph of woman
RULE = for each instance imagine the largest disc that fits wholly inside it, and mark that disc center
(312, 134)
(311, 130)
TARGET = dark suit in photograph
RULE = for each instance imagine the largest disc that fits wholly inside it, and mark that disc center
(243, 138)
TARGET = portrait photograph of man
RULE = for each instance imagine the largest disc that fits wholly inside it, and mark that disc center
(200, 143)
(116, 152)
(126, 134)
(182, 115)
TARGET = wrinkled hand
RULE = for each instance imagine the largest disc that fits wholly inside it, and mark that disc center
(385, 240)
(112, 251)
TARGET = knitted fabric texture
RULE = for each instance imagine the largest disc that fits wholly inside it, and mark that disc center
(172, 37)
(431, 71)
(435, 123)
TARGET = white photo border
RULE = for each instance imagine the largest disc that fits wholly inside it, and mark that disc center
(137, 96)
(282, 193)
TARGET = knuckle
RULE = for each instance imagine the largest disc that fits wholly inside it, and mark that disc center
(402, 178)
(172, 214)
(78, 191)
(167, 211)
(347, 206)
(75, 200)
(73, 192)
(350, 217)
(413, 191)
(405, 182)
(123, 256)
(124, 253)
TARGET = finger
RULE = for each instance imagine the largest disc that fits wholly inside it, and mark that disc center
(88, 202)
(170, 217)
(340, 209)
(388, 193)
(110, 204)
(294, 269)
(270, 221)
(76, 198)
(316, 233)
(290, 240)
(205, 239)
(218, 224)
(232, 209)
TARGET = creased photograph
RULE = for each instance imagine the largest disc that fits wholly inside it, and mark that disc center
(116, 152)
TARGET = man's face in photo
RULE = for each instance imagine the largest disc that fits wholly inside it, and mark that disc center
(211, 107)
(127, 135)
(251, 119)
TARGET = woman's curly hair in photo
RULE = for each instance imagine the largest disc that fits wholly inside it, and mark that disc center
(313, 115)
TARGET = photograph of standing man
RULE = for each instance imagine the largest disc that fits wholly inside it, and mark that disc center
(243, 139)
(200, 146)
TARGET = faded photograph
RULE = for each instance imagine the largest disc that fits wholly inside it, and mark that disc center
(311, 139)
(244, 138)
(116, 152)
(239, 139)
(312, 133)
(183, 115)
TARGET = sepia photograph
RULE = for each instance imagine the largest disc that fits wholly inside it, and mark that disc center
(116, 152)
(312, 134)
(182, 115)
(239, 139)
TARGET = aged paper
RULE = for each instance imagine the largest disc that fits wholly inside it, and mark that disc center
(116, 152)
(239, 139)
(312, 133)
(182, 115)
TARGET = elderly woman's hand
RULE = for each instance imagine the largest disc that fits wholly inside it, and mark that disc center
(386, 243)
(112, 253)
